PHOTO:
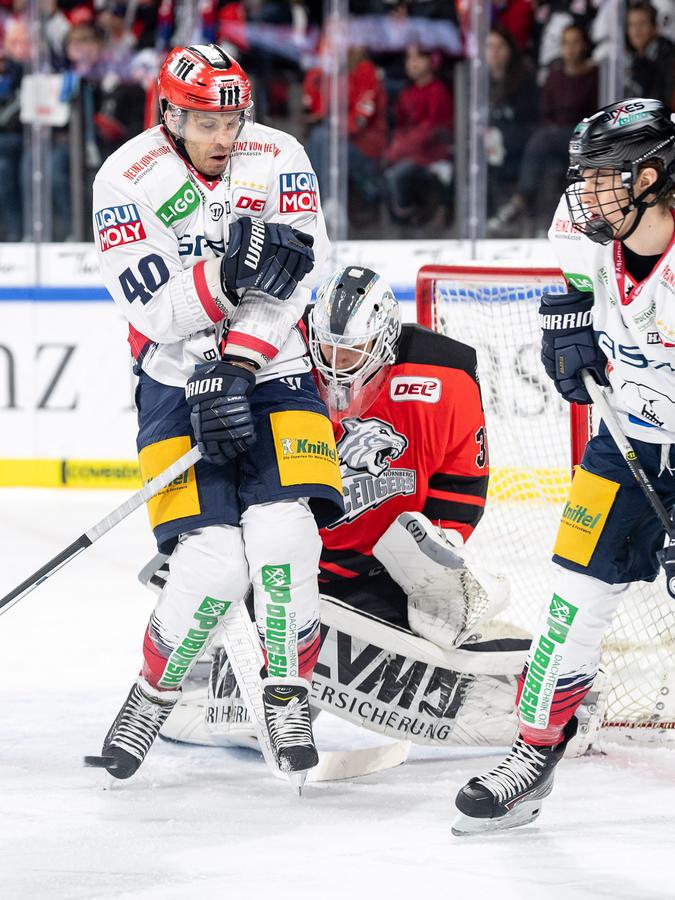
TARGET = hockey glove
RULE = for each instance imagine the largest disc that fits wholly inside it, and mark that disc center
(220, 413)
(568, 343)
(268, 256)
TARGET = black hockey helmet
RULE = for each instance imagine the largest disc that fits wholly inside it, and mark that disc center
(622, 136)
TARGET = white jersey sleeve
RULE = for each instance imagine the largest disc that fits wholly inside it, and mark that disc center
(632, 324)
(143, 270)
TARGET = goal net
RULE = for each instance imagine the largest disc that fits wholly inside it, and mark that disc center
(534, 439)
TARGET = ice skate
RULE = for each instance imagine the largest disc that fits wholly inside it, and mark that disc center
(511, 794)
(289, 724)
(135, 728)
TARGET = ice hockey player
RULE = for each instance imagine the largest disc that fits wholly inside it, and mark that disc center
(408, 418)
(407, 414)
(614, 234)
(205, 227)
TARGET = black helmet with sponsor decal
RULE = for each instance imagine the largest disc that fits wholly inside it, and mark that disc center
(354, 328)
(616, 144)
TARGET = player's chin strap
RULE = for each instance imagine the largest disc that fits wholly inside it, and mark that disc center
(449, 592)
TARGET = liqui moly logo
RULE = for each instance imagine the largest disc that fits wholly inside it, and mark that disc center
(297, 192)
(117, 225)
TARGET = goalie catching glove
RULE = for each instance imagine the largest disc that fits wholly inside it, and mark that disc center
(447, 595)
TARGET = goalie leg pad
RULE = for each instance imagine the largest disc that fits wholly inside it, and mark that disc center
(283, 549)
(448, 594)
(208, 574)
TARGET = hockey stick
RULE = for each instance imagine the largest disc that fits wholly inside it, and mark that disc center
(625, 448)
(85, 540)
(244, 653)
(404, 643)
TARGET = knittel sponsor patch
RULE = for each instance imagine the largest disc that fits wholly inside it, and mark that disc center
(584, 516)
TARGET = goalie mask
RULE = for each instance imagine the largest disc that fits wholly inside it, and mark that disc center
(354, 329)
(204, 100)
(607, 153)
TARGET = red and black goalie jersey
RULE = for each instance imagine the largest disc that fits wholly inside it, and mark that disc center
(421, 447)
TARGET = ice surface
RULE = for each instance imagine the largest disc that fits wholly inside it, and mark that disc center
(209, 823)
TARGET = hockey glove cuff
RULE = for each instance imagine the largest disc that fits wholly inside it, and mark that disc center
(568, 343)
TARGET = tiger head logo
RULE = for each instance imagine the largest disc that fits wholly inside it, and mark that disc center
(368, 444)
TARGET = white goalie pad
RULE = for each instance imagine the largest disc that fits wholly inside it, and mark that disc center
(433, 697)
(449, 592)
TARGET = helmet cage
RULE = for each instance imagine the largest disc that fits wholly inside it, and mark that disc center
(599, 143)
(350, 390)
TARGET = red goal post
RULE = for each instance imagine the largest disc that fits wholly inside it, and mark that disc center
(530, 431)
(428, 315)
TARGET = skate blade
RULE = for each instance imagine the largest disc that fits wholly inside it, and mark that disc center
(525, 812)
(297, 780)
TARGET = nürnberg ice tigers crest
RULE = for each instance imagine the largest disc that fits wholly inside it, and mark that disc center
(366, 449)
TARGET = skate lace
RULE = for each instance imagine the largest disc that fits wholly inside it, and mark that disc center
(290, 726)
(138, 723)
(518, 772)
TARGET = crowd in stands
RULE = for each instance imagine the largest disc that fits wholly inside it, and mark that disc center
(544, 61)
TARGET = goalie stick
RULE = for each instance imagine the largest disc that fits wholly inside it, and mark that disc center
(89, 537)
(667, 555)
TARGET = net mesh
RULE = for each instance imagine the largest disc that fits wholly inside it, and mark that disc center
(529, 442)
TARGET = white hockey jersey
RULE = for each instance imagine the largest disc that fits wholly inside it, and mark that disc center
(634, 324)
(157, 221)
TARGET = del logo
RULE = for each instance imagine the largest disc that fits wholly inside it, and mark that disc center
(255, 204)
(118, 225)
(406, 387)
(297, 192)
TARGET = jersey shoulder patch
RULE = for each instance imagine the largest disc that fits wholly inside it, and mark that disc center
(429, 348)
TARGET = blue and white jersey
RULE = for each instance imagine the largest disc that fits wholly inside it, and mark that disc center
(634, 324)
(158, 222)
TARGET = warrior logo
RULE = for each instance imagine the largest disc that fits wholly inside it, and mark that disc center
(366, 449)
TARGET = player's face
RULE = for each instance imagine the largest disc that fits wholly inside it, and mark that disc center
(208, 138)
(603, 196)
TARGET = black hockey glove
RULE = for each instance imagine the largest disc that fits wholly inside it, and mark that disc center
(568, 343)
(220, 413)
(269, 256)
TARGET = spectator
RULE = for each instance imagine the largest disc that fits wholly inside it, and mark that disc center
(418, 156)
(366, 129)
(15, 52)
(651, 58)
(517, 17)
(512, 113)
(569, 93)
(120, 41)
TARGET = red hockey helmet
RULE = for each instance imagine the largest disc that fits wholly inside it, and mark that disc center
(203, 77)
